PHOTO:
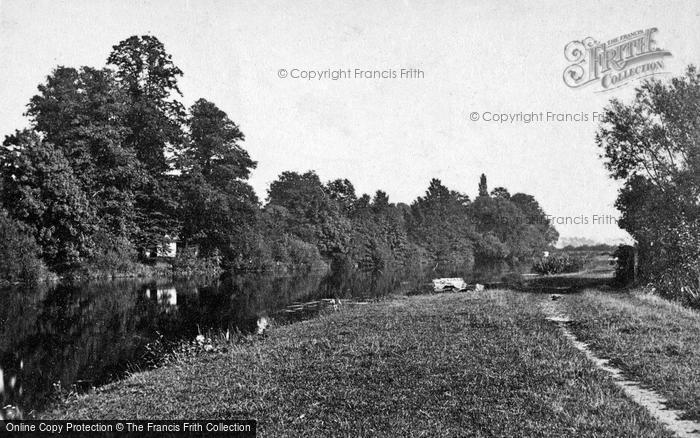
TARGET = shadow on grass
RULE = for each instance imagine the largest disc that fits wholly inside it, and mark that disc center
(562, 283)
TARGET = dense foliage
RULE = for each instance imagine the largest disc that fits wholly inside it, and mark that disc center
(624, 265)
(653, 145)
(19, 253)
(114, 167)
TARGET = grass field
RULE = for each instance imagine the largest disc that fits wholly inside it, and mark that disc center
(467, 364)
(652, 340)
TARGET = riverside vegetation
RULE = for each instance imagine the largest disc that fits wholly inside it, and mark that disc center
(113, 167)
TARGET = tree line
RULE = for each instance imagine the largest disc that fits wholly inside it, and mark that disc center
(113, 165)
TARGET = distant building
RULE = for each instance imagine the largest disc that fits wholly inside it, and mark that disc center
(169, 249)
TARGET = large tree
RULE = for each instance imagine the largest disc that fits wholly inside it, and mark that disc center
(440, 222)
(214, 148)
(218, 207)
(653, 145)
(380, 238)
(343, 193)
(312, 215)
(154, 119)
(81, 113)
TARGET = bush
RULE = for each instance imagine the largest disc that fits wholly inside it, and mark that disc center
(558, 264)
(680, 283)
(302, 253)
(292, 254)
(112, 257)
(669, 262)
(19, 254)
(188, 264)
(673, 264)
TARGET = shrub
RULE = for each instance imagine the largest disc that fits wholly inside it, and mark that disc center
(112, 256)
(558, 264)
(669, 261)
(678, 275)
(188, 264)
(291, 254)
(302, 253)
(624, 266)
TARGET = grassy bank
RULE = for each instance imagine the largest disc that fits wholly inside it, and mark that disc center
(442, 365)
(652, 340)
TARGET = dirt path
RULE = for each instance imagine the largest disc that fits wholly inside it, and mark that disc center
(652, 401)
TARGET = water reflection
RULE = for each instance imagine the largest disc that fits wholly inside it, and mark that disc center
(73, 337)
(166, 296)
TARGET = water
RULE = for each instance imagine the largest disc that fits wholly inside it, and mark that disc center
(71, 338)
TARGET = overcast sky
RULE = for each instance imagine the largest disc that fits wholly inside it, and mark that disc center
(392, 134)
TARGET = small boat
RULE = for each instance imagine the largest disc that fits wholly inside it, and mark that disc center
(446, 284)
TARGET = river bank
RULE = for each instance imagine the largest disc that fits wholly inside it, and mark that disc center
(445, 365)
(158, 268)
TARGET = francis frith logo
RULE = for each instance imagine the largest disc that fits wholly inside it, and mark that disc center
(615, 62)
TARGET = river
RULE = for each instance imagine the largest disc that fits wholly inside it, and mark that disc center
(73, 337)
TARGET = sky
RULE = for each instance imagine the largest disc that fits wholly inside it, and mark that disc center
(389, 133)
